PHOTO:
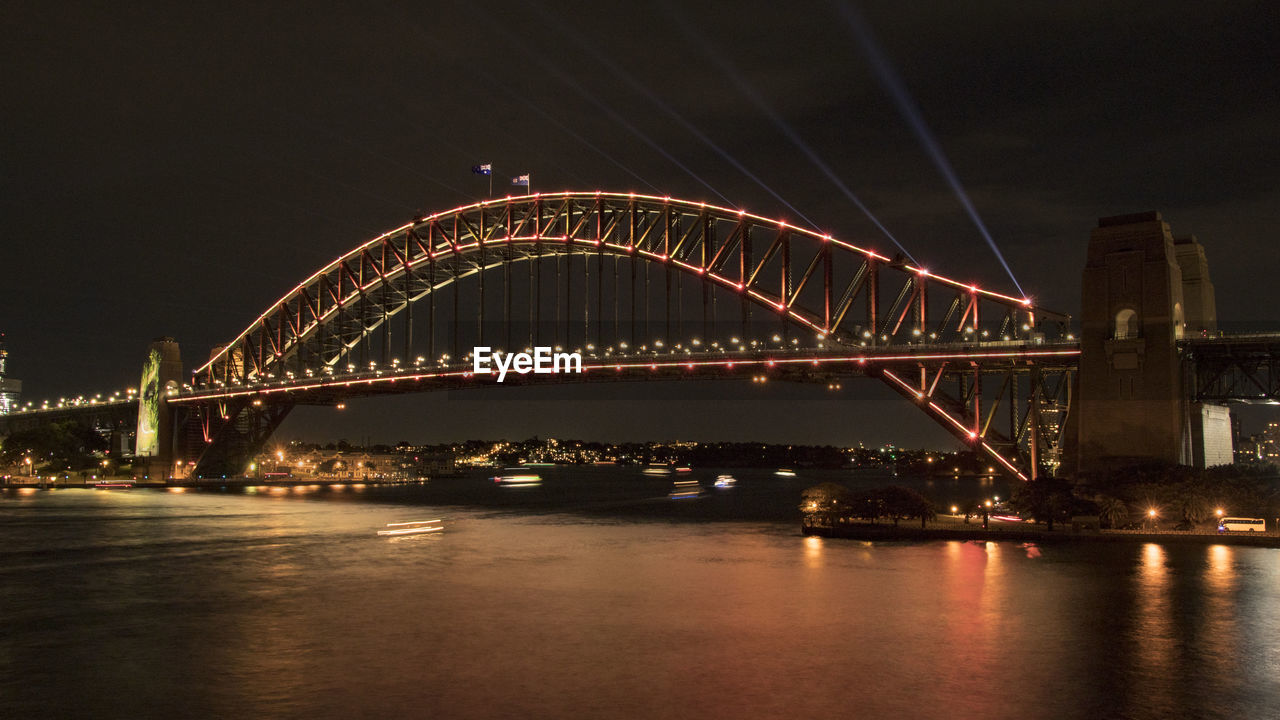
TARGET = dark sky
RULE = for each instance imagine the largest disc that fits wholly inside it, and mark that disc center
(172, 169)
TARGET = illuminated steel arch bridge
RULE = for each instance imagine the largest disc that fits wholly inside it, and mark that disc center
(643, 287)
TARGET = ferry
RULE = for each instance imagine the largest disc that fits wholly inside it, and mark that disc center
(685, 490)
(413, 527)
(726, 481)
(785, 472)
(657, 470)
(517, 477)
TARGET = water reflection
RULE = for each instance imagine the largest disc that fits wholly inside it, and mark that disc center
(605, 616)
(1220, 632)
(971, 626)
(1153, 638)
(813, 552)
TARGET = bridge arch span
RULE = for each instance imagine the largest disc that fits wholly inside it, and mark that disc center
(812, 282)
(756, 287)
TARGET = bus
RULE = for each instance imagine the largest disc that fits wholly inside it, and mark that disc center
(1242, 525)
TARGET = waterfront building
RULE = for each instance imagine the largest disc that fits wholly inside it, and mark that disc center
(10, 389)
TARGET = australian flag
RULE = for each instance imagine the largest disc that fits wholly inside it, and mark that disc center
(521, 180)
(485, 169)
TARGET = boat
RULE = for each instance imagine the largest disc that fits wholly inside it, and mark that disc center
(413, 527)
(726, 481)
(685, 490)
(785, 472)
(657, 470)
(517, 477)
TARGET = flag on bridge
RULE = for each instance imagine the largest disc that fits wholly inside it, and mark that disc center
(485, 169)
(520, 180)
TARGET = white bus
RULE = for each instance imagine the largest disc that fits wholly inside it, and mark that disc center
(1242, 525)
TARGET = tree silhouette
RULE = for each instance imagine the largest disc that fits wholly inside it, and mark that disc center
(1114, 511)
(903, 503)
(826, 502)
(62, 445)
(1045, 498)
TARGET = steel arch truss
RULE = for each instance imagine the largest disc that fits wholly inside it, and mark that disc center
(1243, 368)
(823, 286)
(1012, 411)
(224, 433)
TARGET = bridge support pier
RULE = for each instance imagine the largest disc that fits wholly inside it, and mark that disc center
(155, 451)
(231, 433)
(1142, 290)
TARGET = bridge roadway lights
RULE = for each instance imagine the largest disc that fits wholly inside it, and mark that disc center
(954, 409)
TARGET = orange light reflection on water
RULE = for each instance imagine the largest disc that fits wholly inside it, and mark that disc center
(1221, 632)
(813, 552)
(1154, 641)
(972, 583)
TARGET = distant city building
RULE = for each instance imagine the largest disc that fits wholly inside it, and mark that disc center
(10, 389)
(1269, 449)
(1250, 450)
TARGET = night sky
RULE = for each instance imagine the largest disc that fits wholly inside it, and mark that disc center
(173, 170)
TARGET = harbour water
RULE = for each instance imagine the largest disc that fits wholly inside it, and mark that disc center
(594, 595)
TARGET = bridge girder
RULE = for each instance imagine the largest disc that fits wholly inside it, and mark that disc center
(1238, 368)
